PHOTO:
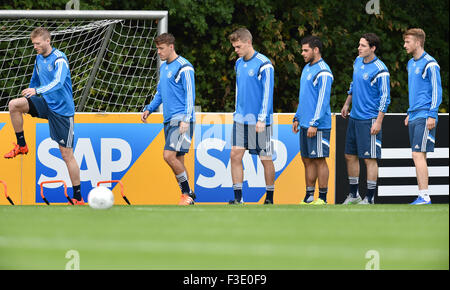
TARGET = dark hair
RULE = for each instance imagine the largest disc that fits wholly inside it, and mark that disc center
(165, 38)
(313, 42)
(372, 39)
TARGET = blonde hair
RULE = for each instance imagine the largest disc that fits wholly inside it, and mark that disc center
(418, 33)
(242, 34)
(40, 31)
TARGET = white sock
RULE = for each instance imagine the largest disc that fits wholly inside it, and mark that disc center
(424, 194)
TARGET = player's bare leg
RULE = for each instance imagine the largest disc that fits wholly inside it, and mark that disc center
(316, 170)
(420, 162)
(237, 171)
(17, 108)
(71, 163)
(322, 172)
(372, 169)
(269, 176)
(181, 159)
(269, 169)
(353, 169)
(176, 163)
(74, 172)
(310, 171)
(322, 177)
(310, 179)
(352, 162)
(372, 176)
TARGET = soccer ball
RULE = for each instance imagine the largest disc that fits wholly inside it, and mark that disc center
(100, 197)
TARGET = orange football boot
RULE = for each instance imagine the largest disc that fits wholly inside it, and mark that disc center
(186, 200)
(77, 202)
(16, 151)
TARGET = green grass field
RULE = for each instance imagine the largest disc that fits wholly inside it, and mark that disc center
(225, 237)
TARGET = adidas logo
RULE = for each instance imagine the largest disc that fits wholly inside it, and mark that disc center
(172, 145)
(313, 152)
(367, 153)
(62, 141)
(416, 147)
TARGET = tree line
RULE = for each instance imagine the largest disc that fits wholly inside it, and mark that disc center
(201, 29)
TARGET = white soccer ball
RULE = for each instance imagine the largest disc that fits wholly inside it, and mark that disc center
(100, 197)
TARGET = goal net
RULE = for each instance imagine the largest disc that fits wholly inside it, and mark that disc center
(113, 60)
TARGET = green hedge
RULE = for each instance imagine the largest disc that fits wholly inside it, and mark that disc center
(201, 29)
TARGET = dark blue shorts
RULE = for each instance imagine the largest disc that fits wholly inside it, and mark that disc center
(360, 142)
(176, 141)
(420, 138)
(315, 147)
(61, 127)
(245, 136)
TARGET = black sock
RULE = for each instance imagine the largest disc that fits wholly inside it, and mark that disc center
(309, 196)
(77, 192)
(354, 184)
(183, 182)
(20, 139)
(371, 188)
(269, 190)
(238, 194)
(237, 191)
(185, 187)
(323, 193)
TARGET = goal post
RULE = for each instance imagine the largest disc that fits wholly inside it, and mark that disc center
(112, 56)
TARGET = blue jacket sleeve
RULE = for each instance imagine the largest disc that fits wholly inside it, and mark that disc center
(436, 90)
(297, 114)
(384, 90)
(267, 79)
(350, 89)
(188, 81)
(323, 100)
(156, 101)
(61, 71)
(34, 83)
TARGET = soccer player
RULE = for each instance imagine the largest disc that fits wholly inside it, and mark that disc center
(49, 97)
(314, 118)
(176, 91)
(252, 120)
(425, 96)
(369, 95)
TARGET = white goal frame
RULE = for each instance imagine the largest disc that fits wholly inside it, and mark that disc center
(160, 16)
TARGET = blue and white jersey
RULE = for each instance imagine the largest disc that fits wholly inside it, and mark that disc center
(51, 79)
(425, 89)
(314, 97)
(370, 89)
(176, 91)
(254, 90)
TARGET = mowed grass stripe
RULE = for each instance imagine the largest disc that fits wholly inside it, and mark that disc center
(224, 237)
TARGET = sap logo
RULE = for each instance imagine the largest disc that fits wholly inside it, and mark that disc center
(84, 151)
(253, 174)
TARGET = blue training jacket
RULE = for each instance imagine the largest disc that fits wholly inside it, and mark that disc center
(176, 91)
(314, 97)
(424, 85)
(51, 79)
(254, 90)
(370, 89)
